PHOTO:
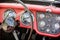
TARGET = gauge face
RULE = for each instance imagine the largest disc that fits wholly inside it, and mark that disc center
(56, 26)
(25, 18)
(47, 30)
(9, 16)
(9, 13)
(42, 23)
(10, 22)
(42, 16)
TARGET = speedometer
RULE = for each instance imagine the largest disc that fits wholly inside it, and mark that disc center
(9, 16)
(25, 18)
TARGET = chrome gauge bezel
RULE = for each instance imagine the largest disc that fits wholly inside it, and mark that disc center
(8, 14)
(21, 19)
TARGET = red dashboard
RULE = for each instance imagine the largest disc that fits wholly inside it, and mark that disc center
(18, 8)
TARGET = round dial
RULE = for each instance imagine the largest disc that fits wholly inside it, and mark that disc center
(10, 21)
(57, 26)
(25, 18)
(9, 16)
(47, 30)
(42, 16)
(42, 23)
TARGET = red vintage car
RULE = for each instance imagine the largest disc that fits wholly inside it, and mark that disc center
(29, 20)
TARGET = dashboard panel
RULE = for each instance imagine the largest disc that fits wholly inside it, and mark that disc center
(46, 19)
(48, 22)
